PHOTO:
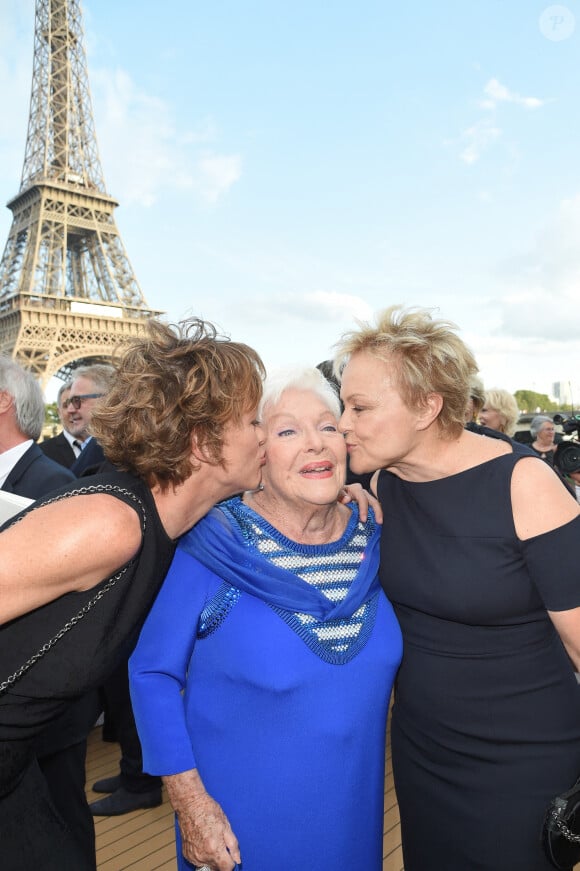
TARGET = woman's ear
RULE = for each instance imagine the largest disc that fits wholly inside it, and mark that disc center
(198, 452)
(430, 411)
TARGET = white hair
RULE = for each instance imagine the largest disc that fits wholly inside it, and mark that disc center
(300, 378)
(25, 390)
(537, 423)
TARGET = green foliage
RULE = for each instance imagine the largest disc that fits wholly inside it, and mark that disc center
(51, 414)
(530, 402)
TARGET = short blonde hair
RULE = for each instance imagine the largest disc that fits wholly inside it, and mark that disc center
(505, 404)
(175, 382)
(428, 357)
(476, 394)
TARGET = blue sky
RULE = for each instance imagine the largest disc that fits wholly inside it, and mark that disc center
(286, 167)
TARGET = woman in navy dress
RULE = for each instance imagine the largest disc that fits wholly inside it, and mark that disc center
(480, 559)
(262, 676)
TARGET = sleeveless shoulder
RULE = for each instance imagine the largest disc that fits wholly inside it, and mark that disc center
(120, 485)
(477, 499)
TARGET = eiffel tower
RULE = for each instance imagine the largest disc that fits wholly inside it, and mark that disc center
(67, 289)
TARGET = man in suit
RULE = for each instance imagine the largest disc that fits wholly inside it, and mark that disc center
(131, 789)
(89, 384)
(24, 469)
(27, 471)
(63, 448)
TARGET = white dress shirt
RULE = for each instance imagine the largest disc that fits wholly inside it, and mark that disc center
(9, 458)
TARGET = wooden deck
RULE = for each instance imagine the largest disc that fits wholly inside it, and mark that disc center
(144, 841)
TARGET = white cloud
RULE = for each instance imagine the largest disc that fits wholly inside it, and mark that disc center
(318, 306)
(542, 286)
(218, 173)
(482, 135)
(145, 151)
(477, 139)
(497, 93)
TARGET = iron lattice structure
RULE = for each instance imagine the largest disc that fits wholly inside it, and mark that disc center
(67, 289)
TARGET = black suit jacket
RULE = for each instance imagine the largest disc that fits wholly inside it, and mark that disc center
(35, 474)
(90, 460)
(59, 450)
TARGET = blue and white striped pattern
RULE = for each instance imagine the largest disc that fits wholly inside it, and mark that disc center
(330, 568)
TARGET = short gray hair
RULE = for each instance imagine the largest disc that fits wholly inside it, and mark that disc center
(307, 378)
(27, 396)
(101, 374)
(62, 389)
(537, 422)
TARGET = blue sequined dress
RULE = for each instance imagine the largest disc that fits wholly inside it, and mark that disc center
(283, 713)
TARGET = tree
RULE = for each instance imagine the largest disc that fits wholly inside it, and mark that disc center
(51, 414)
(529, 401)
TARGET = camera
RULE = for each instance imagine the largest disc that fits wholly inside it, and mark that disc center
(567, 457)
(568, 424)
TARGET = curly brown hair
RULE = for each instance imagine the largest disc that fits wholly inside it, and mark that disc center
(177, 381)
(427, 355)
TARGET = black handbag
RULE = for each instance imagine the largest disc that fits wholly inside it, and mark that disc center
(561, 830)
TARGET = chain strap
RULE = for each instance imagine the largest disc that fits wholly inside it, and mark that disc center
(563, 828)
(84, 491)
(70, 624)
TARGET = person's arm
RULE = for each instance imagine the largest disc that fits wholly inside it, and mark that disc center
(546, 521)
(539, 501)
(567, 625)
(206, 835)
(64, 547)
(354, 492)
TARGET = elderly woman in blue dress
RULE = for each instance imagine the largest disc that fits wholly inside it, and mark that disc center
(262, 677)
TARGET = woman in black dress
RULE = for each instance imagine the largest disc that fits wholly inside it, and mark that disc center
(480, 560)
(80, 568)
(543, 433)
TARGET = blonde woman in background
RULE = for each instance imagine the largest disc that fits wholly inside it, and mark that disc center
(476, 399)
(500, 411)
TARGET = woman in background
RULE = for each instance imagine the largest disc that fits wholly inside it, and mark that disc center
(475, 401)
(500, 411)
(543, 433)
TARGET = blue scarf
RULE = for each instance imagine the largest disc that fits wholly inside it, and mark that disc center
(219, 546)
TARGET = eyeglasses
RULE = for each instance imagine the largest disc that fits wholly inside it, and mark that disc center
(77, 401)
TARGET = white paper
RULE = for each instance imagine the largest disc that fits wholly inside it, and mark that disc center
(11, 504)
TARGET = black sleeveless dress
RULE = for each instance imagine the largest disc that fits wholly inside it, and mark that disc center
(101, 626)
(486, 719)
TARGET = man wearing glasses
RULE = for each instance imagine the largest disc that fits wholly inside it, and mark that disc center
(89, 384)
(63, 448)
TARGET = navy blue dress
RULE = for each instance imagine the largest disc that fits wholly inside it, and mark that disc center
(486, 719)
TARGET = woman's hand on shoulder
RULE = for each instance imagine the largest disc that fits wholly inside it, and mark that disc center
(64, 547)
(206, 835)
(540, 500)
(356, 493)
